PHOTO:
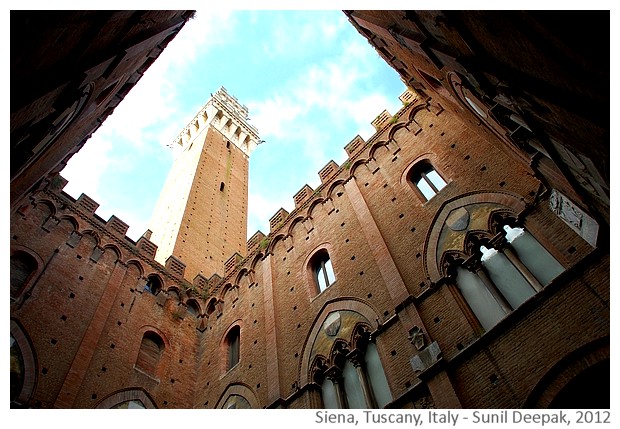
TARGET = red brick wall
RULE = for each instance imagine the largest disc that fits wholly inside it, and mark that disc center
(376, 230)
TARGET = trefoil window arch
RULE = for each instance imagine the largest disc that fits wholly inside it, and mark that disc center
(502, 273)
(352, 376)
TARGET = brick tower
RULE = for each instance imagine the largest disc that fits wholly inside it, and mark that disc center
(201, 214)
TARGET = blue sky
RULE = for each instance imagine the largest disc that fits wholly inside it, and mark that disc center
(311, 83)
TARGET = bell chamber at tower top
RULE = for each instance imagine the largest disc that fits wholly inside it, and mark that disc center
(224, 113)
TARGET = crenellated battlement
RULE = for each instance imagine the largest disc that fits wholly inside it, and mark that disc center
(355, 150)
(224, 113)
(203, 288)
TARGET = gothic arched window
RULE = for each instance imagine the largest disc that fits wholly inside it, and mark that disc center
(353, 377)
(23, 266)
(153, 284)
(503, 274)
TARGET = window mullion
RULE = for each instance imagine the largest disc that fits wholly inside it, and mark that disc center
(324, 272)
(429, 182)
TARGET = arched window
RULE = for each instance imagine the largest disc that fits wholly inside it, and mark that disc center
(533, 255)
(353, 377)
(153, 284)
(426, 179)
(23, 266)
(151, 350)
(232, 343)
(192, 308)
(17, 370)
(504, 275)
(236, 402)
(136, 398)
(131, 404)
(322, 271)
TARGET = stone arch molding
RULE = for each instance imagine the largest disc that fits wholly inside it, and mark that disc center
(30, 366)
(240, 390)
(362, 308)
(565, 369)
(449, 214)
(135, 394)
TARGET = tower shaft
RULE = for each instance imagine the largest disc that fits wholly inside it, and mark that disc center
(201, 214)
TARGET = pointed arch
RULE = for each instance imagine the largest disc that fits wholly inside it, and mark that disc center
(343, 360)
(49, 204)
(395, 128)
(294, 223)
(71, 220)
(315, 203)
(416, 110)
(223, 291)
(193, 306)
(434, 247)
(376, 146)
(257, 258)
(566, 369)
(355, 305)
(174, 289)
(152, 346)
(114, 249)
(94, 234)
(25, 267)
(332, 188)
(241, 390)
(24, 367)
(230, 346)
(356, 165)
(211, 306)
(154, 283)
(242, 272)
(138, 264)
(273, 242)
(113, 400)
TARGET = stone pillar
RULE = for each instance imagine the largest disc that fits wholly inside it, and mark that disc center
(335, 376)
(514, 260)
(493, 289)
(357, 359)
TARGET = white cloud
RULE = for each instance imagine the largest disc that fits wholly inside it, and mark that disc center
(88, 167)
(271, 115)
(332, 87)
(154, 100)
(150, 115)
(306, 111)
(262, 208)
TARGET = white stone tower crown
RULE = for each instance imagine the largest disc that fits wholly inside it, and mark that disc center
(224, 113)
